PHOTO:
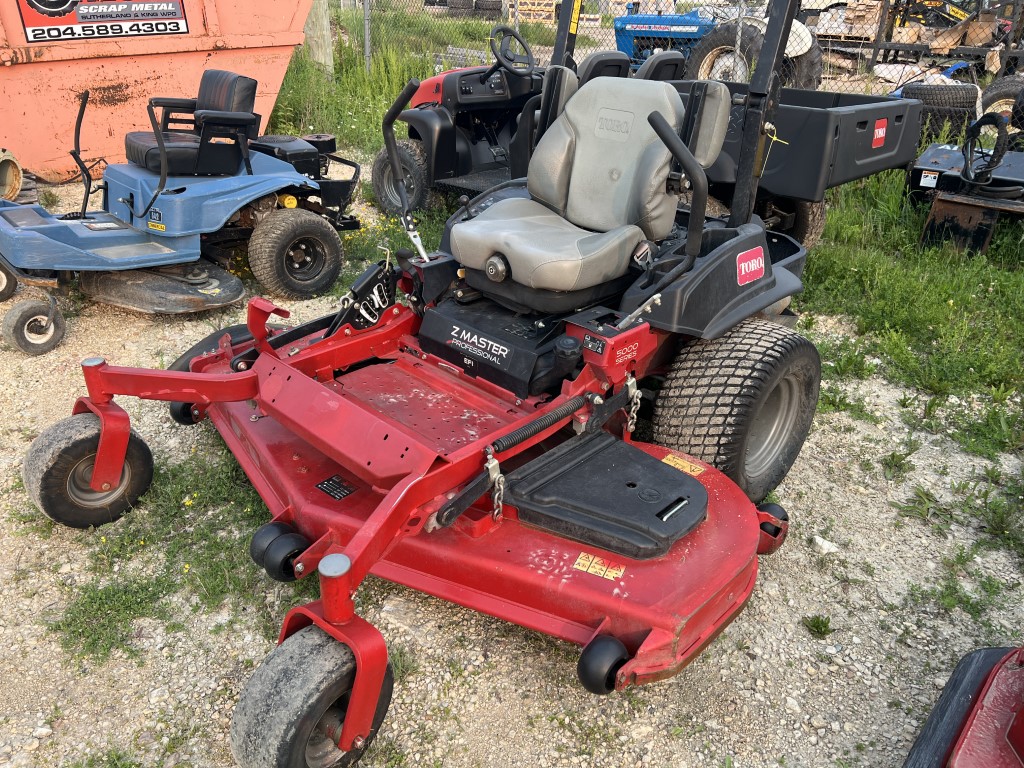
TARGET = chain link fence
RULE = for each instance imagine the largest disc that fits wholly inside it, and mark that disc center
(853, 46)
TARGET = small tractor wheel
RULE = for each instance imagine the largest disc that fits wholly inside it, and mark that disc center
(263, 538)
(296, 697)
(743, 402)
(58, 468)
(295, 254)
(716, 56)
(1003, 96)
(600, 662)
(279, 556)
(8, 283)
(26, 327)
(182, 412)
(414, 165)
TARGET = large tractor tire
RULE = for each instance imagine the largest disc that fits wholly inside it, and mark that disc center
(717, 56)
(1006, 96)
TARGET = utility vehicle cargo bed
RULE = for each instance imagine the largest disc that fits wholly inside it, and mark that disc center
(831, 138)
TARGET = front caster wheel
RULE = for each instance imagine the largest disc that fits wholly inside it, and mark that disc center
(8, 283)
(265, 535)
(58, 469)
(298, 695)
(280, 555)
(28, 327)
(600, 662)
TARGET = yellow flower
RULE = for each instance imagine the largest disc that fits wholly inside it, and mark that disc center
(103, 539)
(187, 568)
(187, 502)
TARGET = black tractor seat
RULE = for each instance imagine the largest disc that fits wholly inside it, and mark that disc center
(205, 136)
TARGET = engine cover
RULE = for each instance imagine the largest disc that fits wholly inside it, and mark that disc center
(492, 342)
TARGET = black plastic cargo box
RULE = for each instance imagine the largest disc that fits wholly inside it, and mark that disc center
(831, 138)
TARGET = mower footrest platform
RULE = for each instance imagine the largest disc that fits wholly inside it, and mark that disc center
(601, 491)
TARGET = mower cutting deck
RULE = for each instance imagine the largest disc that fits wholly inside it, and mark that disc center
(475, 440)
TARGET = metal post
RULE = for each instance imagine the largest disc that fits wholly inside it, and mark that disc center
(366, 33)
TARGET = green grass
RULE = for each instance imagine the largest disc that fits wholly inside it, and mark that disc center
(819, 626)
(114, 758)
(941, 321)
(191, 534)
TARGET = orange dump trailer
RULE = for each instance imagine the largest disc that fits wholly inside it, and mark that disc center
(124, 52)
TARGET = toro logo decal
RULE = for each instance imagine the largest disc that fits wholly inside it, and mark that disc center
(878, 139)
(750, 266)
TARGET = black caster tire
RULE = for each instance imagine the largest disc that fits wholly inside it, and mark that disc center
(600, 661)
(303, 685)
(279, 556)
(295, 254)
(743, 403)
(776, 511)
(58, 468)
(264, 536)
(25, 327)
(8, 283)
(413, 160)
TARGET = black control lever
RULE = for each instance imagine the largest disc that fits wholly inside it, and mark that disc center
(390, 143)
(698, 180)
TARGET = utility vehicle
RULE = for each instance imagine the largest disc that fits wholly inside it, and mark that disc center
(195, 188)
(477, 439)
(472, 128)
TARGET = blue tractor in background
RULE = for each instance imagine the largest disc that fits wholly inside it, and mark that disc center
(716, 46)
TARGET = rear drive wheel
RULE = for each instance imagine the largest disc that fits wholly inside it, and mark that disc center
(8, 283)
(717, 57)
(27, 326)
(58, 469)
(297, 695)
(414, 165)
(743, 403)
(295, 254)
(808, 223)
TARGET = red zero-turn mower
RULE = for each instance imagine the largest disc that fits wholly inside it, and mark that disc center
(474, 441)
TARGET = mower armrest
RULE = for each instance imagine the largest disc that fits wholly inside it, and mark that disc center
(178, 105)
(173, 107)
(215, 117)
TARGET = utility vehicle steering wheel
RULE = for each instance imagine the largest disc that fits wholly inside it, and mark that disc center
(513, 63)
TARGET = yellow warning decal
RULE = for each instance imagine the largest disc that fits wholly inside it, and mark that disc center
(158, 226)
(598, 566)
(576, 8)
(687, 466)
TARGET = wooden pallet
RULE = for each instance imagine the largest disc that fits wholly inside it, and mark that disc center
(536, 10)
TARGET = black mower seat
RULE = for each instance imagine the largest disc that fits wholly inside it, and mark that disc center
(598, 183)
(212, 130)
(663, 65)
(182, 148)
(603, 64)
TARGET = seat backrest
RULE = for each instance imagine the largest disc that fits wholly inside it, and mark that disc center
(603, 64)
(707, 120)
(601, 165)
(663, 65)
(226, 92)
(560, 85)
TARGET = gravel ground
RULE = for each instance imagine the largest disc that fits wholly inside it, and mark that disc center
(485, 693)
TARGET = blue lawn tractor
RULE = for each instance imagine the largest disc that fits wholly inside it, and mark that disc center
(716, 47)
(197, 190)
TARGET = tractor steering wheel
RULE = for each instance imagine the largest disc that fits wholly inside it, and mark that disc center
(513, 63)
